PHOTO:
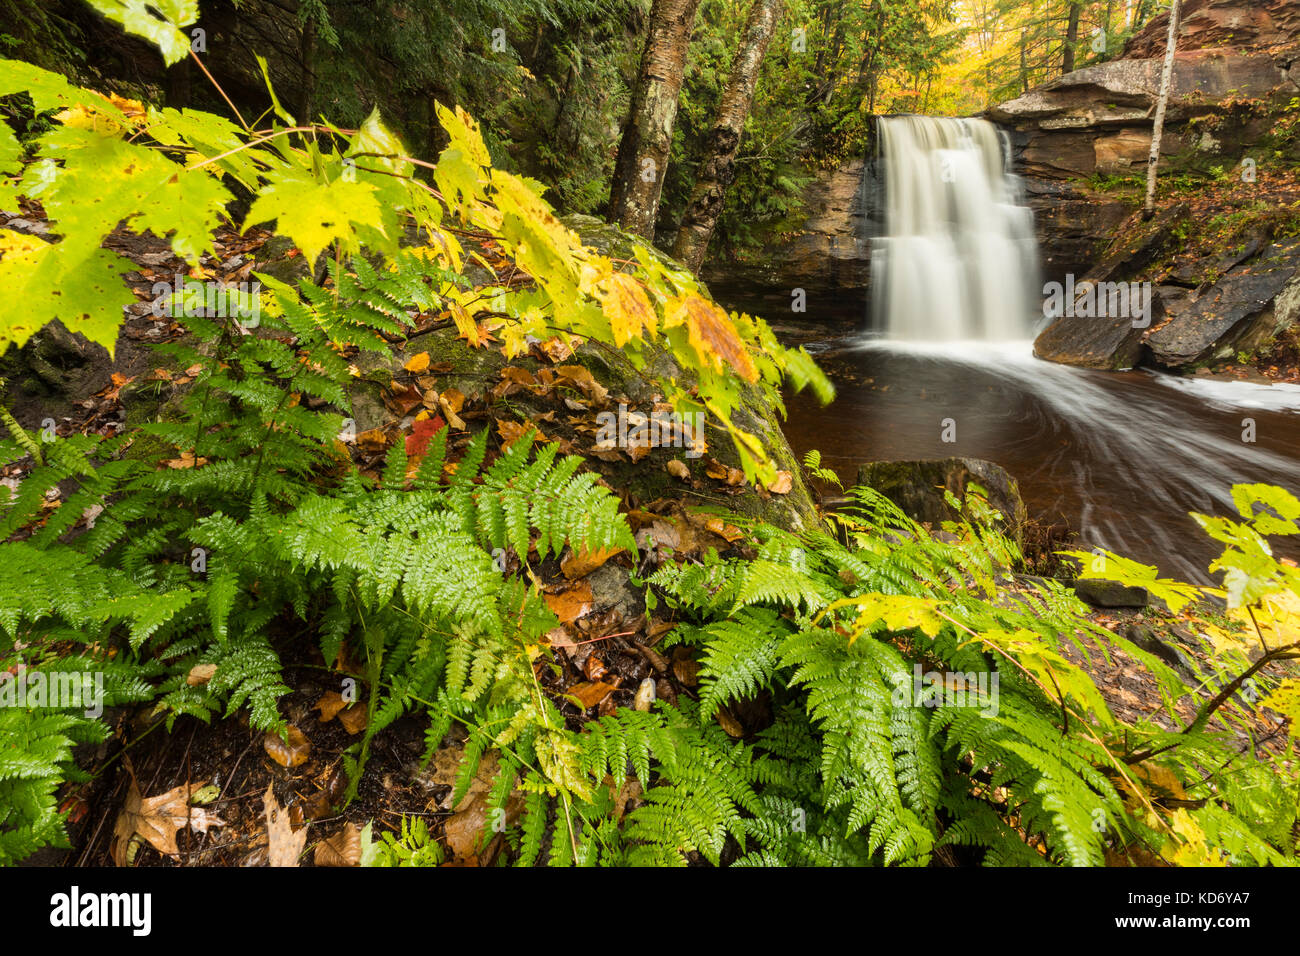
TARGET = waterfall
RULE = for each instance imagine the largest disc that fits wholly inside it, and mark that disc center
(959, 260)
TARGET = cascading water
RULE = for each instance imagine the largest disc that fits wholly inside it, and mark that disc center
(958, 260)
(1121, 458)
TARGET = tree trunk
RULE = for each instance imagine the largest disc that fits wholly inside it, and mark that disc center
(1071, 37)
(648, 134)
(718, 168)
(1166, 81)
(1024, 62)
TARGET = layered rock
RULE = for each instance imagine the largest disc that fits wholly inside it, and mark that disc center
(1097, 121)
(828, 254)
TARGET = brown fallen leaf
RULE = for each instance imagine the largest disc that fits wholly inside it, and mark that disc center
(511, 432)
(589, 695)
(582, 379)
(200, 674)
(290, 754)
(782, 484)
(156, 820)
(687, 671)
(329, 705)
(342, 849)
(283, 846)
(559, 637)
(581, 563)
(355, 718)
(729, 724)
(571, 604)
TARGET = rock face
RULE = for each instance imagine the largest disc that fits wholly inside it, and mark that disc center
(1237, 313)
(1097, 121)
(917, 487)
(829, 254)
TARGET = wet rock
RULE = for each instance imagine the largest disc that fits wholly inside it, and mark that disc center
(1146, 639)
(1101, 593)
(917, 487)
(828, 253)
(1107, 343)
(1238, 313)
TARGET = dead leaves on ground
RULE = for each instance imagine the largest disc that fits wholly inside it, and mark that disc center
(284, 844)
(157, 820)
(351, 715)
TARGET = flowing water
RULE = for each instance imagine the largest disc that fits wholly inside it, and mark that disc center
(1120, 458)
(959, 260)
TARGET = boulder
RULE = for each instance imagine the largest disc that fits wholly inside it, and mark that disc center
(917, 487)
(1239, 312)
(1100, 593)
(1113, 343)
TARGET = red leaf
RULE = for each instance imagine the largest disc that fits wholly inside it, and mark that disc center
(417, 443)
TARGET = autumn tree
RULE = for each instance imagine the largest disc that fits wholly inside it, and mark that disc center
(648, 133)
(718, 165)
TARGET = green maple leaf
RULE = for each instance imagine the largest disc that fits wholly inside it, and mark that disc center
(105, 181)
(314, 214)
(50, 90)
(158, 21)
(44, 281)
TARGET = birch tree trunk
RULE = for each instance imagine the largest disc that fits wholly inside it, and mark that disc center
(1162, 104)
(648, 134)
(718, 168)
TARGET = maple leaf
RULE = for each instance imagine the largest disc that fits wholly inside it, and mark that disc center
(628, 308)
(313, 213)
(422, 432)
(158, 819)
(712, 334)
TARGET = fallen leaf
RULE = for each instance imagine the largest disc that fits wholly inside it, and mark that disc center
(687, 671)
(594, 668)
(290, 754)
(571, 604)
(729, 532)
(342, 849)
(417, 363)
(581, 563)
(200, 674)
(330, 705)
(422, 432)
(783, 483)
(582, 379)
(402, 400)
(512, 431)
(157, 819)
(589, 695)
(559, 637)
(729, 724)
(283, 845)
(355, 718)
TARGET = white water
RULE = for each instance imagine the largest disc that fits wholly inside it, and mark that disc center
(959, 259)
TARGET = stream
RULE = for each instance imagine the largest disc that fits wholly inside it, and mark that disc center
(1119, 457)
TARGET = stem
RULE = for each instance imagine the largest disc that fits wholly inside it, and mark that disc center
(1221, 698)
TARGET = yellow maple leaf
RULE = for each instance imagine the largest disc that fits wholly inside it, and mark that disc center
(712, 334)
(625, 303)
